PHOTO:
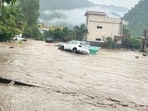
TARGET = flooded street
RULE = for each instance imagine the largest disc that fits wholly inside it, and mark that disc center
(111, 80)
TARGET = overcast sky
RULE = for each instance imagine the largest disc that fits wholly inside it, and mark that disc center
(124, 3)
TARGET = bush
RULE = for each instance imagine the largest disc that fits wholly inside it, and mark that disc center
(131, 42)
(110, 42)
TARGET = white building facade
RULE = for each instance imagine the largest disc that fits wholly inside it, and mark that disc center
(100, 26)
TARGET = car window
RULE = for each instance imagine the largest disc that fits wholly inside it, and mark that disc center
(84, 43)
(71, 42)
(75, 42)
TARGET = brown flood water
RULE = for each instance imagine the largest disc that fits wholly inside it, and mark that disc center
(111, 80)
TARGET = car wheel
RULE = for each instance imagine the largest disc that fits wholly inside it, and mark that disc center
(62, 48)
(87, 53)
(74, 50)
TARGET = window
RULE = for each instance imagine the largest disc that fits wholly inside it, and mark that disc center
(75, 42)
(98, 39)
(99, 27)
(71, 42)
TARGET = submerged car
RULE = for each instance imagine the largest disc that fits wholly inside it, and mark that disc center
(49, 40)
(76, 46)
(19, 38)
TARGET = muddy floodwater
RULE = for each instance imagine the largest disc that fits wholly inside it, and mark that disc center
(111, 80)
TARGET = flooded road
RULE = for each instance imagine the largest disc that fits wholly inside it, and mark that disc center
(111, 80)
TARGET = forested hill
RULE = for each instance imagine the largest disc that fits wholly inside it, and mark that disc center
(64, 4)
(138, 18)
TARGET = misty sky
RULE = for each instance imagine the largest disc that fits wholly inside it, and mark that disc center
(124, 3)
(76, 16)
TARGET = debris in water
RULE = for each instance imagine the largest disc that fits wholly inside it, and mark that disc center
(11, 47)
(11, 83)
(137, 57)
(144, 54)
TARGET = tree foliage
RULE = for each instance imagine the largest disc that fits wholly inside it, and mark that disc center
(66, 34)
(11, 21)
(18, 18)
(30, 10)
(126, 31)
(110, 42)
(137, 18)
(131, 43)
(7, 1)
(80, 32)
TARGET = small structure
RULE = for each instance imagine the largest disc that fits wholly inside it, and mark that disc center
(43, 27)
(100, 26)
(145, 40)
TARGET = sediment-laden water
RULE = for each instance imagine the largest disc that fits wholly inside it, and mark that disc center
(111, 80)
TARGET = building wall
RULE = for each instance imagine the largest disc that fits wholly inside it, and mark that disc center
(106, 27)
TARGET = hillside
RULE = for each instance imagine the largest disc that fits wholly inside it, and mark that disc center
(138, 18)
(64, 4)
(71, 12)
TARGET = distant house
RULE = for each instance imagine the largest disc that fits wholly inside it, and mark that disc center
(100, 26)
(42, 27)
(145, 40)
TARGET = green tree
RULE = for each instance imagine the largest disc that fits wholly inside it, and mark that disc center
(80, 32)
(7, 1)
(110, 42)
(57, 33)
(135, 43)
(30, 10)
(126, 42)
(126, 31)
(11, 22)
(137, 18)
(131, 42)
(66, 34)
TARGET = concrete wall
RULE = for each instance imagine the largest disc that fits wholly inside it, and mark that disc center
(103, 44)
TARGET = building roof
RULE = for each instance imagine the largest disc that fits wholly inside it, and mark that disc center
(95, 13)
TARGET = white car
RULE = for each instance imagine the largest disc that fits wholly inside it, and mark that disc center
(76, 46)
(19, 38)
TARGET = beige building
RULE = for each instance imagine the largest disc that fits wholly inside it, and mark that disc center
(100, 26)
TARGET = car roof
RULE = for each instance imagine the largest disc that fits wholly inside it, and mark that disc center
(80, 41)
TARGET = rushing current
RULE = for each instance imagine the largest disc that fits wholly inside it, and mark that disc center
(111, 80)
